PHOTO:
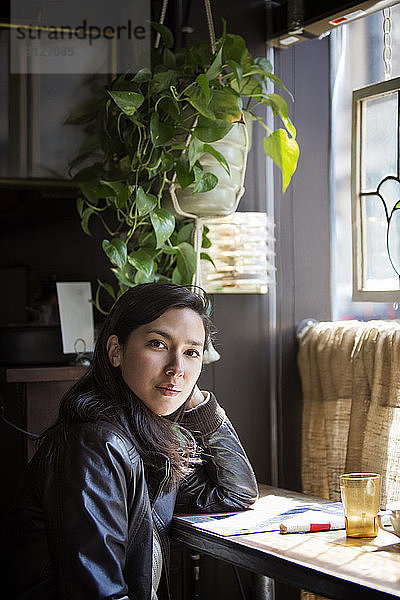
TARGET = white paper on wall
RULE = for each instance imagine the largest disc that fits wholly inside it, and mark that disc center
(76, 316)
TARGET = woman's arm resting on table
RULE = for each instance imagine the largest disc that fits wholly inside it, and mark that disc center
(225, 480)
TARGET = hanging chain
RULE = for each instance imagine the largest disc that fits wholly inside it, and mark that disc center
(161, 21)
(387, 41)
(210, 24)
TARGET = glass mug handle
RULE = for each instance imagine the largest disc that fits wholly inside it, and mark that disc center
(381, 513)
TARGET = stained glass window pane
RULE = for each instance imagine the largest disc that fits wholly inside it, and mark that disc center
(378, 273)
(376, 188)
(379, 140)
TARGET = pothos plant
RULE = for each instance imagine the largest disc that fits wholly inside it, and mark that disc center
(149, 129)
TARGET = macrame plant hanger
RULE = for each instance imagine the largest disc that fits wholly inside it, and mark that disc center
(210, 355)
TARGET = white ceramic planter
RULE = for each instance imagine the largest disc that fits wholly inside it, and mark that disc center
(224, 198)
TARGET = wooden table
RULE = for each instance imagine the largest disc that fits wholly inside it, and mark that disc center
(325, 563)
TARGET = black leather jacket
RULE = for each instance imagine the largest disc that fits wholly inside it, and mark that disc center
(82, 527)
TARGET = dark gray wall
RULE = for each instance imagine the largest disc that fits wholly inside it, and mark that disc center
(303, 236)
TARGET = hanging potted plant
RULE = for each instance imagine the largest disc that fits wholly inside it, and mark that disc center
(171, 136)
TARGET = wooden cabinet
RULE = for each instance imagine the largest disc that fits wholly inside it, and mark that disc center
(30, 398)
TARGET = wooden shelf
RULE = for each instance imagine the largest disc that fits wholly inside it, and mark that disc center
(41, 374)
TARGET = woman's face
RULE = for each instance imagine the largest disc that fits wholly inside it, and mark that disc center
(162, 360)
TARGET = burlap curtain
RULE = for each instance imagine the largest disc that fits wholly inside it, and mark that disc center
(350, 374)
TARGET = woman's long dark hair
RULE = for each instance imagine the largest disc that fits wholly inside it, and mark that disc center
(102, 393)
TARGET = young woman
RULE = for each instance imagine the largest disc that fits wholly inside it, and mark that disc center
(135, 440)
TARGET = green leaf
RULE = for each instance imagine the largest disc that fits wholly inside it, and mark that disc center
(118, 80)
(142, 76)
(167, 161)
(220, 158)
(166, 34)
(178, 146)
(253, 69)
(84, 113)
(215, 68)
(278, 105)
(284, 151)
(87, 213)
(155, 163)
(289, 126)
(142, 262)
(169, 59)
(125, 85)
(237, 71)
(223, 37)
(169, 249)
(91, 173)
(170, 106)
(108, 287)
(96, 190)
(206, 242)
(183, 173)
(203, 83)
(141, 277)
(80, 205)
(211, 130)
(186, 261)
(185, 233)
(163, 80)
(277, 81)
(147, 240)
(264, 63)
(235, 49)
(225, 106)
(128, 102)
(250, 87)
(163, 223)
(205, 256)
(176, 276)
(195, 150)
(125, 163)
(161, 133)
(122, 192)
(204, 182)
(122, 277)
(116, 251)
(195, 97)
(145, 202)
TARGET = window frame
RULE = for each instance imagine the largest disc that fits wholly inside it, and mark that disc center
(369, 92)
